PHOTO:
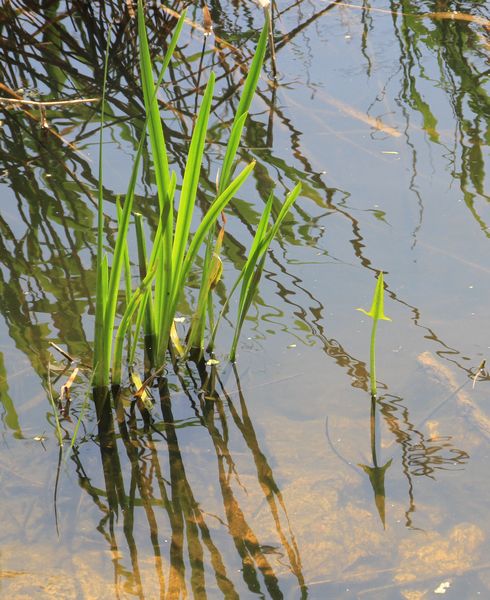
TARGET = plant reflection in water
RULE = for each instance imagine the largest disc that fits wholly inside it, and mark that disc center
(158, 489)
(419, 454)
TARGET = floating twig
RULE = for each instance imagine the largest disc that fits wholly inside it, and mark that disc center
(480, 371)
(36, 119)
(200, 27)
(47, 102)
(65, 388)
(147, 381)
(142, 393)
(62, 352)
(206, 20)
(68, 356)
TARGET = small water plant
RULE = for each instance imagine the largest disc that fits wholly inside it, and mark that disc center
(376, 313)
(164, 269)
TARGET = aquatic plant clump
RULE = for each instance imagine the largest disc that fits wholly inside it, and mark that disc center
(164, 269)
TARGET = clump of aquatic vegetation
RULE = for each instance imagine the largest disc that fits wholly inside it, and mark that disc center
(164, 268)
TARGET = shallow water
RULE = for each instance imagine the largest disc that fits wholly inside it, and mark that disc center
(281, 480)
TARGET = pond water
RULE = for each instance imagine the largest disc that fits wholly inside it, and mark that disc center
(280, 477)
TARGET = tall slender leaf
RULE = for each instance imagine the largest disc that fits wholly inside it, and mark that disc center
(254, 266)
(101, 368)
(191, 179)
(123, 326)
(243, 108)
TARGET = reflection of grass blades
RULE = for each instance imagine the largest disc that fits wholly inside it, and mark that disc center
(77, 426)
(59, 431)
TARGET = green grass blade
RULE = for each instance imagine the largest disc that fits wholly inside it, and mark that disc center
(163, 253)
(231, 150)
(155, 129)
(157, 254)
(210, 218)
(142, 262)
(253, 256)
(100, 372)
(376, 313)
(126, 263)
(210, 347)
(208, 221)
(166, 218)
(250, 285)
(263, 239)
(123, 326)
(171, 48)
(377, 306)
(262, 226)
(138, 325)
(290, 199)
(198, 321)
(216, 269)
(243, 108)
(147, 303)
(191, 179)
(100, 368)
(195, 336)
(115, 276)
(251, 272)
(127, 267)
(105, 277)
(258, 248)
(211, 273)
(159, 157)
(182, 227)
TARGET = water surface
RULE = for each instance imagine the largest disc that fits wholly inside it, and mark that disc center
(276, 477)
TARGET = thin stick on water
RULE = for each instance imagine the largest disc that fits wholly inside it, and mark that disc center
(207, 31)
(480, 371)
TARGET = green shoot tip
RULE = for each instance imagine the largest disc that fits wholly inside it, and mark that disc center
(377, 309)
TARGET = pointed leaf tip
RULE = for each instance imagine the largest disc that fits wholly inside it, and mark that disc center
(376, 311)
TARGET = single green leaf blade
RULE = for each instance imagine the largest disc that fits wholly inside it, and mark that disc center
(243, 108)
(377, 307)
(191, 180)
